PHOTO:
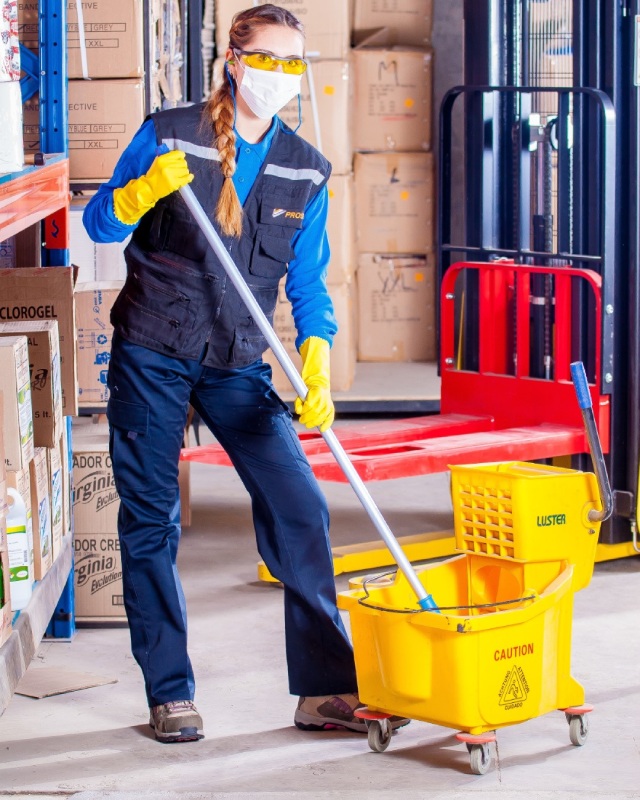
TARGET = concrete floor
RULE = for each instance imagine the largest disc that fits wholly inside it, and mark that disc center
(96, 743)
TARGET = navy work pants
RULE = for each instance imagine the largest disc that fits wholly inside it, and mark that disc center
(147, 411)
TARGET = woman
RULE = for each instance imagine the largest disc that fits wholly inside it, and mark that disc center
(182, 335)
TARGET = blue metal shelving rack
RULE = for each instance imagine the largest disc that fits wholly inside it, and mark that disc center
(46, 74)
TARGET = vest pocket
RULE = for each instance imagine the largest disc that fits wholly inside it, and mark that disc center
(284, 207)
(154, 310)
(270, 257)
(267, 297)
(177, 232)
(247, 346)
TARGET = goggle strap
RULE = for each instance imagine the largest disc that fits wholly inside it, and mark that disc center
(233, 94)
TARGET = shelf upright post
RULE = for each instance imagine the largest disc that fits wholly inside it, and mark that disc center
(52, 30)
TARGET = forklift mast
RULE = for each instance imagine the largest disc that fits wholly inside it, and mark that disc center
(548, 120)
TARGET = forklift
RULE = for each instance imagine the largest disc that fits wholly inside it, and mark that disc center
(538, 265)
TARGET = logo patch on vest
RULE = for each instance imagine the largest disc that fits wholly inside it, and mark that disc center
(278, 212)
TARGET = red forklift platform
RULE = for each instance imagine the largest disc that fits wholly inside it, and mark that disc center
(495, 413)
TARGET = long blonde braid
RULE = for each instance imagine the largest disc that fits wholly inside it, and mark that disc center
(221, 108)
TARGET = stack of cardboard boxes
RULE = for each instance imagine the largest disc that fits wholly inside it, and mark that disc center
(394, 179)
(95, 500)
(324, 120)
(96, 503)
(105, 52)
(64, 488)
(374, 98)
(37, 381)
(98, 569)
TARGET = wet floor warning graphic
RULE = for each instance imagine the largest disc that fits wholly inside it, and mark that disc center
(514, 689)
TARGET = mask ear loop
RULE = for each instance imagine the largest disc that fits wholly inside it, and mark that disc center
(295, 130)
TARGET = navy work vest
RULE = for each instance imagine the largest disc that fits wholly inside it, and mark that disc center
(177, 297)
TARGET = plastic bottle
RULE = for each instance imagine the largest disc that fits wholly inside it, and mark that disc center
(20, 578)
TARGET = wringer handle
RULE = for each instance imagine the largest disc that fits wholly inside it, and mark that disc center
(425, 601)
(581, 386)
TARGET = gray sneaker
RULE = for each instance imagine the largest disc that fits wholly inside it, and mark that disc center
(177, 721)
(335, 711)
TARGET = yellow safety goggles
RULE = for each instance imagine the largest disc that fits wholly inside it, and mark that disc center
(270, 62)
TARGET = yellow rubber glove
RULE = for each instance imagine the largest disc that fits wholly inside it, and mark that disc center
(317, 410)
(167, 173)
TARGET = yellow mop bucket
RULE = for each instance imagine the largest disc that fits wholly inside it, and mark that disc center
(499, 650)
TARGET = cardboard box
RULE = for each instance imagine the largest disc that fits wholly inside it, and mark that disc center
(98, 577)
(95, 498)
(98, 570)
(44, 367)
(112, 37)
(43, 293)
(393, 91)
(22, 250)
(343, 352)
(54, 466)
(104, 115)
(41, 513)
(341, 229)
(94, 334)
(28, 24)
(18, 416)
(554, 68)
(396, 304)
(404, 22)
(327, 24)
(94, 261)
(329, 129)
(395, 202)
(8, 253)
(21, 482)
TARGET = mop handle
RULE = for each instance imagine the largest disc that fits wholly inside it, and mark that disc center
(425, 601)
(579, 377)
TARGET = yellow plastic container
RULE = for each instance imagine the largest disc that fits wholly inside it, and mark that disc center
(499, 651)
(520, 511)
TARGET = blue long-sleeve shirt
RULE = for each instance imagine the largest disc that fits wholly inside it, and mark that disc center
(306, 279)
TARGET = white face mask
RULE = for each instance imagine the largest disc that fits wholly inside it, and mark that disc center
(267, 92)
